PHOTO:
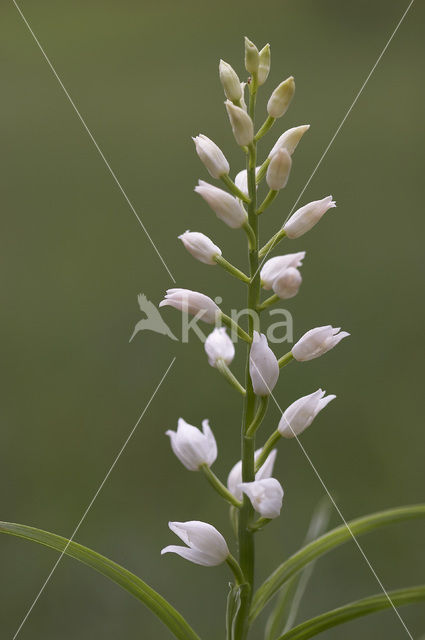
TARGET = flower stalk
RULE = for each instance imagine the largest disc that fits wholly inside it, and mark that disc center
(286, 359)
(234, 189)
(218, 486)
(229, 376)
(230, 268)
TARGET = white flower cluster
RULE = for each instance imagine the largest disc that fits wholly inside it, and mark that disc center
(250, 479)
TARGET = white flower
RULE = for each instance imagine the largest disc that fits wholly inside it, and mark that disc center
(192, 447)
(230, 81)
(290, 139)
(242, 125)
(306, 217)
(211, 155)
(281, 97)
(218, 346)
(316, 342)
(206, 545)
(266, 496)
(275, 267)
(252, 57)
(241, 180)
(225, 206)
(264, 64)
(287, 285)
(263, 366)
(192, 302)
(278, 170)
(200, 246)
(234, 479)
(301, 413)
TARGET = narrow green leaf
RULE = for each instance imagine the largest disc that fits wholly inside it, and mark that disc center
(325, 543)
(125, 579)
(348, 612)
(284, 614)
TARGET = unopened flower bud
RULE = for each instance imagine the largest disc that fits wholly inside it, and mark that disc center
(275, 267)
(212, 156)
(281, 97)
(266, 496)
(218, 346)
(264, 64)
(287, 285)
(206, 545)
(200, 246)
(192, 302)
(316, 342)
(301, 413)
(234, 478)
(192, 447)
(224, 205)
(241, 180)
(278, 170)
(230, 81)
(309, 215)
(242, 126)
(289, 139)
(263, 366)
(252, 57)
(243, 103)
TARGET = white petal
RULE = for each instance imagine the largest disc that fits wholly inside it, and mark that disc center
(193, 555)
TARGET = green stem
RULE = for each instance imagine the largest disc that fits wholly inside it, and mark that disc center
(231, 269)
(261, 412)
(286, 359)
(252, 240)
(268, 302)
(268, 123)
(271, 244)
(219, 486)
(246, 514)
(267, 448)
(259, 524)
(234, 189)
(226, 373)
(267, 201)
(235, 567)
(231, 324)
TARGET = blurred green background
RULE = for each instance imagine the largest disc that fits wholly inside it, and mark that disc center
(74, 258)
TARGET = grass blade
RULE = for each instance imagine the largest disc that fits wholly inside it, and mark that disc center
(348, 612)
(125, 579)
(325, 543)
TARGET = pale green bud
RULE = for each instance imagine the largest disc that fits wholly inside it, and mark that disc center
(252, 57)
(281, 97)
(243, 103)
(278, 170)
(230, 81)
(242, 126)
(264, 64)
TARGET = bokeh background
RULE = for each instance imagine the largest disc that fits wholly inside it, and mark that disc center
(74, 258)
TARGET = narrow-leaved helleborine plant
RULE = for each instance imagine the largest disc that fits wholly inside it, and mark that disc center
(255, 497)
